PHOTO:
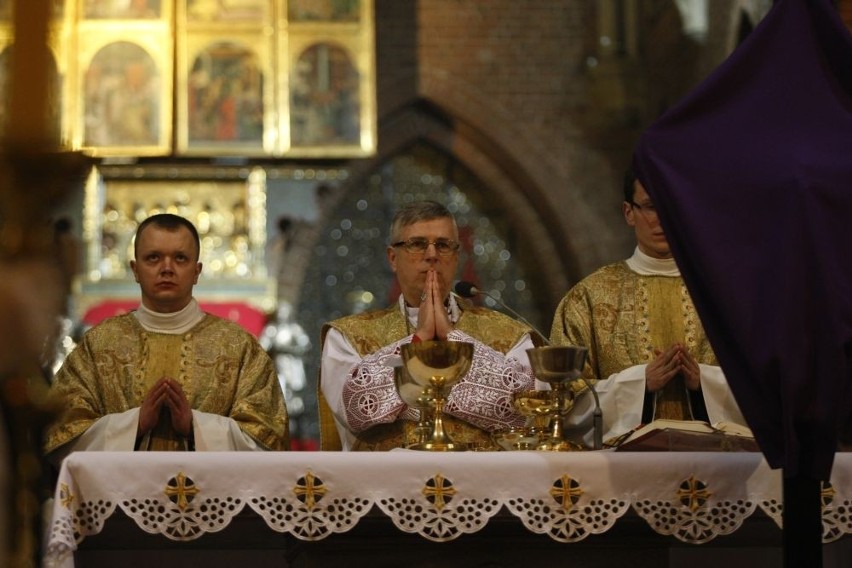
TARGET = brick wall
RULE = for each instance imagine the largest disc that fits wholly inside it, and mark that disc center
(524, 94)
(502, 85)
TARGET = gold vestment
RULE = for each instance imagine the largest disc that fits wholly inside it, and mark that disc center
(621, 317)
(221, 368)
(368, 332)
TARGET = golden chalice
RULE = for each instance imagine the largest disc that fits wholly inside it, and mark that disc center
(415, 396)
(430, 370)
(541, 408)
(557, 366)
(512, 439)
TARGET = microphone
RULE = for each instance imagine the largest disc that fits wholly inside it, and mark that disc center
(469, 290)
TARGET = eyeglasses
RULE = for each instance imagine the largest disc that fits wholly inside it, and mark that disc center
(648, 210)
(419, 245)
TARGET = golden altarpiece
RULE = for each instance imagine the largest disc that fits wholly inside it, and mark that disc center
(162, 93)
(228, 207)
(152, 105)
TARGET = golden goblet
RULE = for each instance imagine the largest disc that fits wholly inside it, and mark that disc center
(512, 439)
(433, 367)
(540, 408)
(415, 396)
(543, 409)
(557, 366)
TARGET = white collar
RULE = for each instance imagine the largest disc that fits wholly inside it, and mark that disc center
(173, 323)
(646, 265)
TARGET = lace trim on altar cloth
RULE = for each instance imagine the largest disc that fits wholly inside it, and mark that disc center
(438, 510)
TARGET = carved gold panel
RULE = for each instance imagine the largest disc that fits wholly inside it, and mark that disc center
(227, 206)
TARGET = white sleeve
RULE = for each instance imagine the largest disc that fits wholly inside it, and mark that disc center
(117, 433)
(338, 360)
(621, 395)
(215, 433)
(110, 433)
(718, 397)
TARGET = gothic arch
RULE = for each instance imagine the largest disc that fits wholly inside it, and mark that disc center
(521, 168)
(524, 204)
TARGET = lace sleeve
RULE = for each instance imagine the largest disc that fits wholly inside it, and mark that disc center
(369, 394)
(484, 396)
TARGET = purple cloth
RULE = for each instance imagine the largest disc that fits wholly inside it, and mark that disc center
(752, 176)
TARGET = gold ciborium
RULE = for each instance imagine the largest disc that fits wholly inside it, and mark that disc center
(557, 366)
(430, 369)
(542, 408)
(512, 439)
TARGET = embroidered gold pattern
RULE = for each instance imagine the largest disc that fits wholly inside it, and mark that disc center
(615, 312)
(310, 490)
(566, 491)
(827, 494)
(439, 491)
(65, 495)
(370, 331)
(116, 379)
(693, 493)
(181, 490)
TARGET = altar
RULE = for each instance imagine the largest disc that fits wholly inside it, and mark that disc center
(429, 509)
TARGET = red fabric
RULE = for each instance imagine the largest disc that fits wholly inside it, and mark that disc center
(304, 445)
(249, 317)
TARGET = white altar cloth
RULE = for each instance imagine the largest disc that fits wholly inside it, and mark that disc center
(694, 497)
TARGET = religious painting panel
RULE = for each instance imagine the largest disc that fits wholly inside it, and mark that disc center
(328, 94)
(124, 97)
(324, 97)
(124, 9)
(225, 97)
(226, 77)
(254, 77)
(227, 206)
(330, 100)
(324, 10)
(228, 12)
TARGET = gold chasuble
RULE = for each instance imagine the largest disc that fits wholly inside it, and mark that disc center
(622, 317)
(666, 326)
(166, 364)
(368, 332)
(221, 368)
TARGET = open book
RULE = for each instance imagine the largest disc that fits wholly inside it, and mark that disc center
(688, 435)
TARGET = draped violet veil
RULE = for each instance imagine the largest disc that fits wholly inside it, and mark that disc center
(752, 176)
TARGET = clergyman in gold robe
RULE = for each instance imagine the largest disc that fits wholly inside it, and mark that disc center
(360, 408)
(648, 356)
(167, 376)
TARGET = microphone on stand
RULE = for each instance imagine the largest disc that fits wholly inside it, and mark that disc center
(469, 290)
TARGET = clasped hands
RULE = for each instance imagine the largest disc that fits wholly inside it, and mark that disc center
(433, 322)
(165, 394)
(669, 363)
